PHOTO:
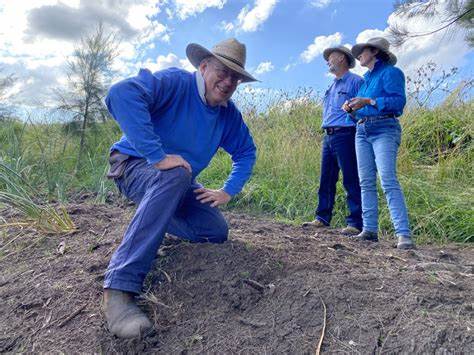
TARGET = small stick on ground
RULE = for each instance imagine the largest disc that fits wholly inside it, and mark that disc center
(6, 281)
(166, 275)
(256, 285)
(11, 240)
(391, 256)
(68, 319)
(251, 322)
(323, 331)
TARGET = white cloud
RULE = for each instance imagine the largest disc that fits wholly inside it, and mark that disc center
(166, 61)
(165, 38)
(251, 19)
(443, 48)
(187, 8)
(227, 26)
(365, 35)
(321, 3)
(319, 44)
(264, 67)
(36, 37)
(33, 86)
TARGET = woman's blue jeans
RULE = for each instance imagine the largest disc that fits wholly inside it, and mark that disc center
(377, 142)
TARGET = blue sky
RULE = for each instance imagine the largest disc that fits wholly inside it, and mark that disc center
(292, 26)
(284, 38)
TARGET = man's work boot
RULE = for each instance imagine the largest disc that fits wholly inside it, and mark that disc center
(350, 230)
(316, 223)
(405, 242)
(124, 318)
(367, 236)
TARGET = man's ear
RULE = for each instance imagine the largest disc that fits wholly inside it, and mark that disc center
(203, 65)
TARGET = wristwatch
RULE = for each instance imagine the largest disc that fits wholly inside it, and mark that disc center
(372, 102)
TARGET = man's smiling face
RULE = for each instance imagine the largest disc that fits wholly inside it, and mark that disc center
(220, 81)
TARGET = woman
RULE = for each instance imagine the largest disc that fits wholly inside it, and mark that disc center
(377, 106)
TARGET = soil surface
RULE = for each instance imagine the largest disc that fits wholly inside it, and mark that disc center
(270, 289)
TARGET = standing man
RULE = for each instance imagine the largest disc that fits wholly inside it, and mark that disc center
(173, 123)
(338, 152)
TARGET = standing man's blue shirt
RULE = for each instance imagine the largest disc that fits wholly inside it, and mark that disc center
(162, 113)
(342, 89)
(386, 85)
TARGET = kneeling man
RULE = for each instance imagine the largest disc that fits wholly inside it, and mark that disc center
(173, 123)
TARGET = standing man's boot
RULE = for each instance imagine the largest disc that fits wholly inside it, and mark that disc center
(316, 223)
(350, 230)
(124, 318)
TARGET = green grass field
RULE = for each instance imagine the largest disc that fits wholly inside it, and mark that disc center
(435, 166)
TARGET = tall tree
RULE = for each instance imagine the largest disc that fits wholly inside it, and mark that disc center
(89, 73)
(450, 15)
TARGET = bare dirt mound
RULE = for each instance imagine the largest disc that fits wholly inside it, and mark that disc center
(264, 291)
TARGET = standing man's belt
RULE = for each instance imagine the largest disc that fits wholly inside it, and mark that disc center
(375, 118)
(332, 130)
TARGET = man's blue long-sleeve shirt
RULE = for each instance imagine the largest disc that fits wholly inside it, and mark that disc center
(162, 113)
(341, 90)
(386, 85)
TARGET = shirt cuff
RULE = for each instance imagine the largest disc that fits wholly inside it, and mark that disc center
(231, 191)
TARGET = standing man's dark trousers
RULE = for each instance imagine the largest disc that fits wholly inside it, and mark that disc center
(338, 153)
(166, 203)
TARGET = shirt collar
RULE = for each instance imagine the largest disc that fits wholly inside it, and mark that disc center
(378, 64)
(344, 77)
(202, 88)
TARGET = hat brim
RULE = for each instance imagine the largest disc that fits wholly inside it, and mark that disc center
(327, 52)
(358, 48)
(196, 53)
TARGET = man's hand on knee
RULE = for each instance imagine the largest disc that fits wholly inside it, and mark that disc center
(173, 161)
(215, 197)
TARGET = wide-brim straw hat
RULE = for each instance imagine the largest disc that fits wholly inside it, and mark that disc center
(377, 42)
(229, 52)
(341, 49)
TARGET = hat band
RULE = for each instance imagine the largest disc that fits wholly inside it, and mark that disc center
(230, 59)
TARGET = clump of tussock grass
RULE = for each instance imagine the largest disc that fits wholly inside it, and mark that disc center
(18, 194)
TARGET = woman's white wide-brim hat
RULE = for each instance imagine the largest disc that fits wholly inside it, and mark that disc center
(377, 42)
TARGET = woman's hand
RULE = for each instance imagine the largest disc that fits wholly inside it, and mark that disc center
(357, 103)
(346, 107)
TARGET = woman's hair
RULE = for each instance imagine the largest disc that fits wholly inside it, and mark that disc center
(382, 56)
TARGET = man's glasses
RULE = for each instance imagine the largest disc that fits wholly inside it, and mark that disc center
(223, 73)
